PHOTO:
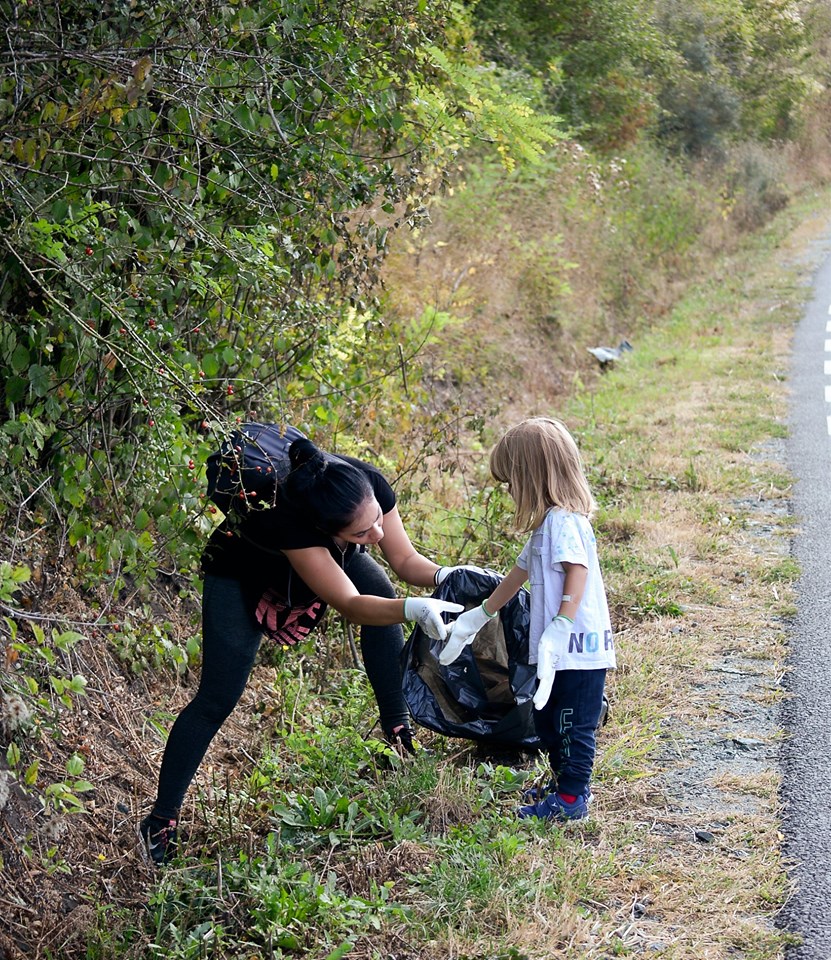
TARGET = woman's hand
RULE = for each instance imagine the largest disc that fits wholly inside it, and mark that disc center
(427, 613)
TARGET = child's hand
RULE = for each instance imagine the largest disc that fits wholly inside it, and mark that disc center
(461, 632)
(554, 639)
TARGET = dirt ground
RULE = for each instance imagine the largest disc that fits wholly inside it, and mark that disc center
(714, 777)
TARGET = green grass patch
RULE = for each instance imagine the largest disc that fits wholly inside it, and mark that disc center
(329, 845)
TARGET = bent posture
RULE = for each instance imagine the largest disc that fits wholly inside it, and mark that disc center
(275, 571)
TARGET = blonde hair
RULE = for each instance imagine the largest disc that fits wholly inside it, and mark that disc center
(541, 464)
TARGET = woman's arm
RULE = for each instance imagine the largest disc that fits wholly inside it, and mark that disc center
(409, 565)
(318, 569)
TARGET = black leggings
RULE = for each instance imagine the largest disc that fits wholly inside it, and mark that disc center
(230, 640)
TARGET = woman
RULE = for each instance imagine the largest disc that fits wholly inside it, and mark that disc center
(276, 570)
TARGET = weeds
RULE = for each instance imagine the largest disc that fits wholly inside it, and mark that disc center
(313, 839)
(341, 848)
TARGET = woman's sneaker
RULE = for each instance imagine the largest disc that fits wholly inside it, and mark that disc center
(160, 837)
(553, 807)
(402, 740)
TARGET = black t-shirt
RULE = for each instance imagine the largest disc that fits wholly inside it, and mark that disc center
(253, 554)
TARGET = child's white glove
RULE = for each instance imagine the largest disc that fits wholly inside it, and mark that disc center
(444, 572)
(427, 612)
(554, 638)
(463, 631)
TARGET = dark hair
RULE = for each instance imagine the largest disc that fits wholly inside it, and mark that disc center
(329, 489)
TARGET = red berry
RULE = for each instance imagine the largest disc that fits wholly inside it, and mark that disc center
(151, 423)
(230, 389)
(190, 464)
(88, 251)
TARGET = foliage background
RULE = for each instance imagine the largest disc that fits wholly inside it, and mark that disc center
(396, 225)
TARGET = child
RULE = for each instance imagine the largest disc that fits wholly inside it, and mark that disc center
(570, 634)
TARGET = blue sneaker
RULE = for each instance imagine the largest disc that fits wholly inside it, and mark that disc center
(536, 793)
(532, 795)
(553, 807)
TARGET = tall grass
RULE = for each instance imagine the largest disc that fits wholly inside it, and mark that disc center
(326, 844)
(310, 838)
(583, 249)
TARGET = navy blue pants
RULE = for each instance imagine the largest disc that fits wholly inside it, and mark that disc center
(230, 640)
(566, 727)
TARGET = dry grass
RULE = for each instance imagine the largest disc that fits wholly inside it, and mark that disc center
(681, 859)
(686, 441)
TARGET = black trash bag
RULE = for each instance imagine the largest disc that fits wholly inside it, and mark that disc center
(486, 694)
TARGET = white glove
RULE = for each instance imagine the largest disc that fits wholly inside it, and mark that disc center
(427, 612)
(554, 639)
(462, 632)
(444, 572)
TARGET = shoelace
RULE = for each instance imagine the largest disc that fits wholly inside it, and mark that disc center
(162, 837)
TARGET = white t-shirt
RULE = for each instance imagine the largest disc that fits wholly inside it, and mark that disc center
(568, 537)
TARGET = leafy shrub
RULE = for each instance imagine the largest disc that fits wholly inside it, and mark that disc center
(755, 183)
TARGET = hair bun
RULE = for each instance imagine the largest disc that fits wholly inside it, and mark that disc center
(303, 451)
(325, 490)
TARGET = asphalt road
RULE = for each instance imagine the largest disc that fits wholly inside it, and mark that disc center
(806, 753)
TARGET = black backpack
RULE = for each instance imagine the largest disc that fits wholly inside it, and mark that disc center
(247, 469)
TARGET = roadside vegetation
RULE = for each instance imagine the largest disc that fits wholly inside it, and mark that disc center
(193, 237)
